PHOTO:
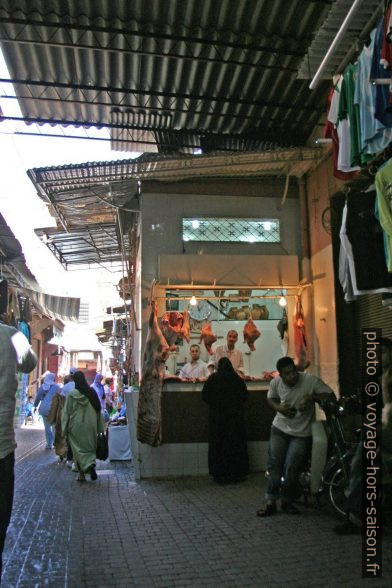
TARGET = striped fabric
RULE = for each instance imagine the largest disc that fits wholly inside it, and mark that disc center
(57, 307)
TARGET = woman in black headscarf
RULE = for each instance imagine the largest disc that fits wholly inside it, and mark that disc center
(225, 393)
(81, 422)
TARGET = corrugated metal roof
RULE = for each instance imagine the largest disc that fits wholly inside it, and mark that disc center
(50, 181)
(171, 75)
(357, 33)
(84, 198)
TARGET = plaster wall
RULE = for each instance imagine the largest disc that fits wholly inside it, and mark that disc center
(319, 301)
(161, 228)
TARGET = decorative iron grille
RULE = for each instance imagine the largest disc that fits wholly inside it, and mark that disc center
(233, 230)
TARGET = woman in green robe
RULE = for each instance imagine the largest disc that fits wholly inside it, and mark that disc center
(81, 421)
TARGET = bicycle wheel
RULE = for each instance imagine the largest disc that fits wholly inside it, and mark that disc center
(337, 491)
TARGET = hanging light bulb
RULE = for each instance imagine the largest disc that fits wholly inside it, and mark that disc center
(193, 301)
(282, 301)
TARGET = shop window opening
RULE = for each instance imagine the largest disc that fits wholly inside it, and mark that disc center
(243, 230)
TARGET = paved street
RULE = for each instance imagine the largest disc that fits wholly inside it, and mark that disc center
(163, 533)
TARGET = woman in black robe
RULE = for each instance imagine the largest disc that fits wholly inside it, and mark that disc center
(225, 393)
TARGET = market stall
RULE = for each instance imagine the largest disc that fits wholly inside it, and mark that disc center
(173, 419)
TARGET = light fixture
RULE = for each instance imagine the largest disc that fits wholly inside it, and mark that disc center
(193, 301)
(282, 301)
(195, 224)
(267, 225)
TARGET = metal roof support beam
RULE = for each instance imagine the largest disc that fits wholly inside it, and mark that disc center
(335, 43)
(283, 138)
(29, 25)
(160, 52)
(165, 109)
(151, 93)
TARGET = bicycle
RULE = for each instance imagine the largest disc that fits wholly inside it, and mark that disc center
(336, 473)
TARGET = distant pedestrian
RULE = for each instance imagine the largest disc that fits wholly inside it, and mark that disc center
(225, 393)
(69, 385)
(100, 390)
(54, 417)
(44, 400)
(81, 422)
(29, 409)
(109, 395)
(15, 354)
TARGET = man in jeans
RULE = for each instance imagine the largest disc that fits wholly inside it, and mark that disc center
(292, 394)
(15, 354)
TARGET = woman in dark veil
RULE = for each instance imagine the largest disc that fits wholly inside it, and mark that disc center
(81, 422)
(225, 393)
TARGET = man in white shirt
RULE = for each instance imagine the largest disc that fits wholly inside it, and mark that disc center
(196, 368)
(15, 355)
(229, 351)
(292, 394)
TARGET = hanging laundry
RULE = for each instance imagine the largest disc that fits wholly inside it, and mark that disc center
(300, 344)
(386, 49)
(25, 308)
(330, 132)
(375, 136)
(3, 295)
(24, 328)
(362, 248)
(383, 182)
(382, 111)
(342, 138)
(350, 111)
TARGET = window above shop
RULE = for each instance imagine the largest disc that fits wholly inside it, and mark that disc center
(232, 230)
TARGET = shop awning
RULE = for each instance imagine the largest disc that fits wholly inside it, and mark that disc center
(14, 269)
(57, 307)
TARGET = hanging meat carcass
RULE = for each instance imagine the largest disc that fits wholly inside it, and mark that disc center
(171, 325)
(156, 352)
(300, 345)
(186, 328)
(251, 333)
(207, 336)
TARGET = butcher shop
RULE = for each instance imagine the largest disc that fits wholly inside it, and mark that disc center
(215, 257)
(214, 244)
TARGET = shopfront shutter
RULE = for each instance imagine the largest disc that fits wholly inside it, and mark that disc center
(371, 314)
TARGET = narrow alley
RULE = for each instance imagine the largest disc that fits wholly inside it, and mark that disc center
(172, 532)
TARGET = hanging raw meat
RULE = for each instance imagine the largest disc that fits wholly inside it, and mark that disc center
(186, 328)
(300, 345)
(283, 324)
(207, 336)
(251, 333)
(156, 352)
(171, 324)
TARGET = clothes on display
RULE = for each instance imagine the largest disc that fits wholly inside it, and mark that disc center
(359, 119)
(384, 193)
(363, 268)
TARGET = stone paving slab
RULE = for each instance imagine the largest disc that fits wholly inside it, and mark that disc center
(184, 532)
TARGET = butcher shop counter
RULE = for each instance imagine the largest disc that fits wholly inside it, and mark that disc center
(184, 449)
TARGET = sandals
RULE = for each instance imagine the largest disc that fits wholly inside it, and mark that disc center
(81, 478)
(269, 510)
(93, 474)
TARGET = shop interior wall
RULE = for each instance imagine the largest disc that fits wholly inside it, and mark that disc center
(319, 301)
(163, 210)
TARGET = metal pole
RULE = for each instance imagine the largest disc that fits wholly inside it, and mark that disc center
(335, 43)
